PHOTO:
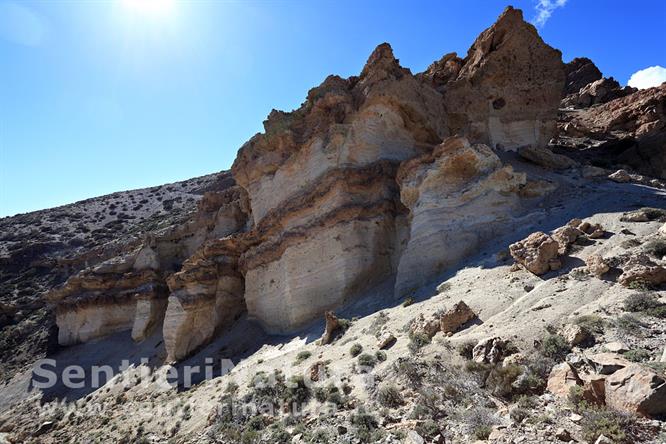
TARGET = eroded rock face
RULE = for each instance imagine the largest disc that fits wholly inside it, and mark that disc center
(322, 187)
(597, 92)
(507, 104)
(459, 196)
(580, 72)
(206, 296)
(454, 318)
(129, 292)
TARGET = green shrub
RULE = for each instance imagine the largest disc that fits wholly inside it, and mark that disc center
(355, 350)
(641, 302)
(641, 284)
(408, 301)
(367, 360)
(630, 325)
(617, 427)
(656, 248)
(555, 347)
(417, 341)
(501, 378)
(389, 396)
(592, 323)
(657, 312)
(428, 429)
(365, 424)
(297, 391)
(637, 355)
(302, 356)
(380, 355)
(464, 349)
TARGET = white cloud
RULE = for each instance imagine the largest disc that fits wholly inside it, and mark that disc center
(648, 77)
(544, 9)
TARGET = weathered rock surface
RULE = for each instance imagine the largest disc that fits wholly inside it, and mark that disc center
(454, 318)
(518, 100)
(596, 265)
(537, 253)
(641, 270)
(636, 389)
(634, 128)
(546, 158)
(599, 91)
(580, 72)
(490, 350)
(459, 196)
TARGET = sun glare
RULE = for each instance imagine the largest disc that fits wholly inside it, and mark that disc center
(153, 8)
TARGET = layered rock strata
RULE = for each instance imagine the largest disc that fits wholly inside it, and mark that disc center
(459, 196)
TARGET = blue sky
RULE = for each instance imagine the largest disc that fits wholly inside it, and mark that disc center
(103, 96)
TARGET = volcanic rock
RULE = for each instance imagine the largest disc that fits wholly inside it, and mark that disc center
(536, 252)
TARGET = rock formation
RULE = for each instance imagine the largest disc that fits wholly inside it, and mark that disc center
(343, 194)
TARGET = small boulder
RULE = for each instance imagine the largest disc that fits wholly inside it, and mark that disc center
(596, 265)
(332, 324)
(546, 158)
(620, 176)
(562, 377)
(386, 340)
(575, 334)
(636, 389)
(490, 350)
(414, 438)
(422, 326)
(456, 317)
(563, 434)
(603, 439)
(565, 236)
(641, 268)
(616, 347)
(535, 252)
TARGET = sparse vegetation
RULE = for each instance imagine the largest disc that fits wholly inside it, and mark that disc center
(637, 355)
(417, 341)
(355, 350)
(592, 323)
(464, 349)
(389, 395)
(629, 325)
(302, 356)
(555, 347)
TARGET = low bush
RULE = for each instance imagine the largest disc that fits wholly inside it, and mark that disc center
(389, 396)
(464, 349)
(617, 427)
(367, 360)
(555, 347)
(641, 302)
(629, 325)
(355, 350)
(637, 355)
(417, 341)
(302, 356)
(592, 323)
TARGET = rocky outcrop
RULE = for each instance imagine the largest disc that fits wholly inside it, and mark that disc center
(349, 191)
(633, 128)
(600, 91)
(455, 317)
(538, 253)
(580, 72)
(129, 292)
(546, 158)
(596, 265)
(459, 196)
(490, 350)
(642, 271)
(205, 297)
(507, 104)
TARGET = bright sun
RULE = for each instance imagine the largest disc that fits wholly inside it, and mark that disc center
(152, 8)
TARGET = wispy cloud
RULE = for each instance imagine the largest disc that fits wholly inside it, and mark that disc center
(648, 77)
(544, 9)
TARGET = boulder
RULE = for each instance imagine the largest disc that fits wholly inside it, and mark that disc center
(454, 318)
(565, 236)
(536, 252)
(636, 389)
(562, 377)
(386, 340)
(422, 326)
(575, 334)
(616, 347)
(490, 350)
(620, 176)
(546, 158)
(608, 363)
(332, 324)
(596, 265)
(642, 270)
